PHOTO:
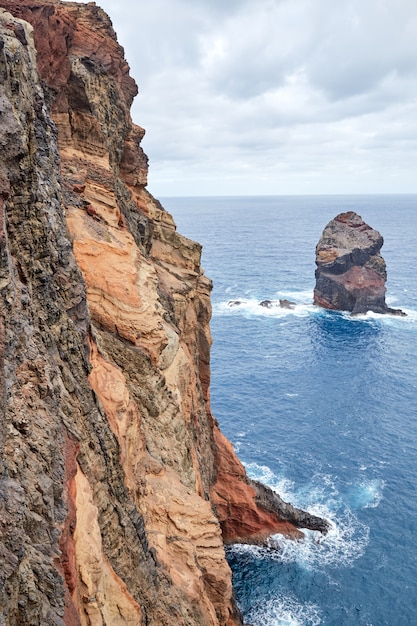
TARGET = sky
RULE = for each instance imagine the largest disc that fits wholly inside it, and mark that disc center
(274, 97)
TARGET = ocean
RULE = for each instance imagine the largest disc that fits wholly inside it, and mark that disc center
(320, 406)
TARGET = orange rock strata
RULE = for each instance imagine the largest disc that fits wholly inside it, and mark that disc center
(234, 497)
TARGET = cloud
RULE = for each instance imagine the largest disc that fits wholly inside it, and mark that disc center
(274, 96)
(359, 44)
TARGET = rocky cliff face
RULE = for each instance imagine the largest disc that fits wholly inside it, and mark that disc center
(351, 272)
(117, 488)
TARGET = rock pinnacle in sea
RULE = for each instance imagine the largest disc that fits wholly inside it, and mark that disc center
(351, 273)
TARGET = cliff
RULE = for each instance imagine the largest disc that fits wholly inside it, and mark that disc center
(351, 273)
(117, 489)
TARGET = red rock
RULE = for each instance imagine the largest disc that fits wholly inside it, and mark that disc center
(351, 272)
(233, 496)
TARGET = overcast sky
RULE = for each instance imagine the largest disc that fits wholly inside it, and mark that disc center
(250, 97)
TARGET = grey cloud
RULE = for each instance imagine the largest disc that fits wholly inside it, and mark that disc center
(280, 91)
(360, 44)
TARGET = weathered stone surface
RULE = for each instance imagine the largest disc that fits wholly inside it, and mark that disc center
(351, 272)
(249, 511)
(113, 472)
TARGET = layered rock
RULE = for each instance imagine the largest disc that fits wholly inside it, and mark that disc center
(351, 272)
(117, 488)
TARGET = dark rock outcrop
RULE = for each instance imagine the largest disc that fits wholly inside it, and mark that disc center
(266, 304)
(351, 272)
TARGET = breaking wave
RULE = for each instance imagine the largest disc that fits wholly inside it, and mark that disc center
(345, 542)
(347, 538)
(284, 611)
(300, 304)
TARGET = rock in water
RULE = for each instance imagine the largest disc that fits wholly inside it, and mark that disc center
(351, 272)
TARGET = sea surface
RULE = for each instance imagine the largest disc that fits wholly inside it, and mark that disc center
(320, 406)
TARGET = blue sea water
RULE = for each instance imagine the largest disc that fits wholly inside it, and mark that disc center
(319, 405)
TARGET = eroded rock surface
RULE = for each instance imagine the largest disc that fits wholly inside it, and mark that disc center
(351, 272)
(117, 489)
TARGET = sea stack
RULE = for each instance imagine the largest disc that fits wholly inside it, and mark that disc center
(351, 272)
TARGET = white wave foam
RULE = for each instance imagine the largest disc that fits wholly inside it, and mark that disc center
(253, 307)
(347, 537)
(366, 494)
(265, 475)
(284, 611)
(322, 490)
(344, 543)
(302, 306)
(410, 317)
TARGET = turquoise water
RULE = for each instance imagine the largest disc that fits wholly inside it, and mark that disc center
(320, 406)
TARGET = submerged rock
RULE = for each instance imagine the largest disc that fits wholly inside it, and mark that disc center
(351, 272)
(286, 304)
(267, 304)
(282, 303)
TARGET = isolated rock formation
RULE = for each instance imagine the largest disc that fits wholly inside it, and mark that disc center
(117, 488)
(351, 272)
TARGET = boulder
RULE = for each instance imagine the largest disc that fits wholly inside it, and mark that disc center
(286, 304)
(351, 272)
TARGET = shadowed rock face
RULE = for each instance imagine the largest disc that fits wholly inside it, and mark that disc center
(351, 272)
(117, 488)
